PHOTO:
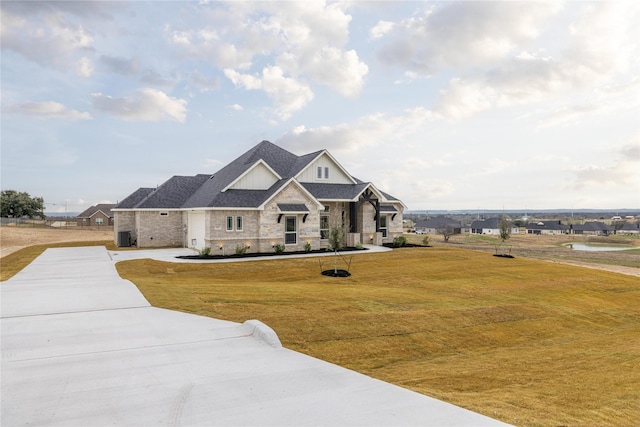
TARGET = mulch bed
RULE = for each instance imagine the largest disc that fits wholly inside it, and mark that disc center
(267, 254)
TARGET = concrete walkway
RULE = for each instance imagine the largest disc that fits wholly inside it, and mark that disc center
(83, 347)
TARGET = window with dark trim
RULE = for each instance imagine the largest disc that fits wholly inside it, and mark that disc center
(229, 223)
(324, 227)
(383, 225)
(290, 230)
(238, 223)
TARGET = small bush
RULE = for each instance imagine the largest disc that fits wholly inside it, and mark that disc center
(241, 249)
(359, 245)
(425, 240)
(278, 248)
(307, 247)
(205, 252)
(399, 242)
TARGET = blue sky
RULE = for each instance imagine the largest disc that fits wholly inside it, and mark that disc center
(445, 105)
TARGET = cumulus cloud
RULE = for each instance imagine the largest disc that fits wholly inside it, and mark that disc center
(594, 57)
(296, 44)
(461, 34)
(47, 110)
(288, 94)
(368, 131)
(146, 105)
(44, 34)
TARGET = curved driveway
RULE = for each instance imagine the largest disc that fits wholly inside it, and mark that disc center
(83, 347)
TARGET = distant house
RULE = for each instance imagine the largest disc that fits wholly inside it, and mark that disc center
(552, 227)
(97, 215)
(594, 228)
(266, 197)
(630, 228)
(432, 225)
(490, 226)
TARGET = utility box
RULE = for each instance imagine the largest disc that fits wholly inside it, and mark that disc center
(124, 239)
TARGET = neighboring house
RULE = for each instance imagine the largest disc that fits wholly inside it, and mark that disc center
(490, 226)
(629, 228)
(553, 227)
(432, 225)
(594, 228)
(97, 215)
(265, 197)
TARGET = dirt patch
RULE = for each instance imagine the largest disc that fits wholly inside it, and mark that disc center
(14, 238)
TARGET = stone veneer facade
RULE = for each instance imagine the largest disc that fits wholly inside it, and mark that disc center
(261, 230)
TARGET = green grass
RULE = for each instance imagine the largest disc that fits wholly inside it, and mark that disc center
(525, 341)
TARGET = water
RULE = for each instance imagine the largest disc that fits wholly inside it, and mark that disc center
(596, 248)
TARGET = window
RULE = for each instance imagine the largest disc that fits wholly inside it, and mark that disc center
(290, 230)
(383, 225)
(229, 223)
(99, 221)
(324, 226)
(238, 223)
(320, 172)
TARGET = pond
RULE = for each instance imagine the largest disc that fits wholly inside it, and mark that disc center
(596, 248)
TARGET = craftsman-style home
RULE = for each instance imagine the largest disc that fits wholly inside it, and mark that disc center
(266, 197)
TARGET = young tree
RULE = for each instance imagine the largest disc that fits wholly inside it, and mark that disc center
(20, 204)
(446, 232)
(336, 236)
(505, 229)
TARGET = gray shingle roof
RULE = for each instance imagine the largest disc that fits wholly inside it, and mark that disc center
(206, 190)
(592, 226)
(292, 207)
(334, 191)
(132, 200)
(105, 208)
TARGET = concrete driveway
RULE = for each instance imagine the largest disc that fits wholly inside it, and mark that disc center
(83, 347)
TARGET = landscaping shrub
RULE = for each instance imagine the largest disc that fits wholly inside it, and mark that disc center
(278, 248)
(241, 249)
(399, 242)
(205, 252)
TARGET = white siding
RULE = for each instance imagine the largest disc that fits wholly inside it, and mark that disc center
(258, 178)
(336, 176)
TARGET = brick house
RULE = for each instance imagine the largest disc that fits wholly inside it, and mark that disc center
(267, 196)
(97, 215)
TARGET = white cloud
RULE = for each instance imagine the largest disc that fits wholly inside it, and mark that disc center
(288, 94)
(43, 34)
(380, 29)
(147, 105)
(47, 110)
(463, 34)
(84, 67)
(593, 60)
(293, 42)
